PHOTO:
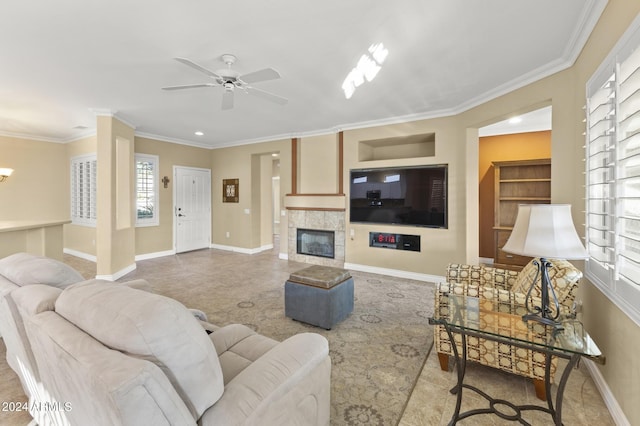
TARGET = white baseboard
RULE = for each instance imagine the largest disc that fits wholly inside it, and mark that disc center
(610, 401)
(283, 256)
(242, 249)
(81, 255)
(146, 256)
(395, 273)
(121, 273)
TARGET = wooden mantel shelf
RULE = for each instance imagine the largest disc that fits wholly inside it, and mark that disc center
(326, 202)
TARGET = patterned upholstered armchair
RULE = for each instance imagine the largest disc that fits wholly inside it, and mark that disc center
(506, 287)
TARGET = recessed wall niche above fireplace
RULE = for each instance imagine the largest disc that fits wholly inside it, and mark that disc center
(315, 242)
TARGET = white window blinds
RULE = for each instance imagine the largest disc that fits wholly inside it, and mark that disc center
(83, 190)
(613, 174)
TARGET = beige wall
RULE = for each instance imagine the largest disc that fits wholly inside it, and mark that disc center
(38, 187)
(115, 232)
(243, 163)
(154, 239)
(439, 246)
(266, 200)
(318, 164)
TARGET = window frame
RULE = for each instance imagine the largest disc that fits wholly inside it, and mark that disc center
(154, 220)
(78, 211)
(605, 230)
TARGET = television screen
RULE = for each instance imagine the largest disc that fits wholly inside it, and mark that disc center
(414, 196)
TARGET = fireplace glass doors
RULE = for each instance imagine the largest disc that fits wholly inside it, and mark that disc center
(316, 242)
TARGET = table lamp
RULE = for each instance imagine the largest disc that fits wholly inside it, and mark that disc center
(544, 231)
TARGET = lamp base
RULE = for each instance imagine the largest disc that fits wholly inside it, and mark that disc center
(546, 321)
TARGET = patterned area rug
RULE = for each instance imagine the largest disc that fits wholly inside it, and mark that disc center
(377, 353)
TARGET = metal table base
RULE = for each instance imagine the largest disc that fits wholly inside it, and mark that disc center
(496, 404)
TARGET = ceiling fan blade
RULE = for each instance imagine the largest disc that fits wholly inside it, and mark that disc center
(190, 63)
(261, 75)
(227, 99)
(189, 86)
(267, 95)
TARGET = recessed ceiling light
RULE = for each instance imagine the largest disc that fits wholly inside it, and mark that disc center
(199, 133)
(515, 120)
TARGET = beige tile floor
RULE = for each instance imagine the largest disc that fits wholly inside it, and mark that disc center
(431, 403)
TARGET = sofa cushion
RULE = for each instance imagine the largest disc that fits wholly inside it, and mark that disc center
(26, 269)
(238, 347)
(151, 327)
(36, 298)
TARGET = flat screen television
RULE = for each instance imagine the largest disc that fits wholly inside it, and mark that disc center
(415, 196)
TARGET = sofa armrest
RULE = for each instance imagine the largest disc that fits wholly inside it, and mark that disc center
(290, 384)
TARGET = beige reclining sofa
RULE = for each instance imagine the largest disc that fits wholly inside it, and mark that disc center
(109, 354)
(16, 271)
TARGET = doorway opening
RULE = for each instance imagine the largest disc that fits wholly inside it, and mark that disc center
(519, 139)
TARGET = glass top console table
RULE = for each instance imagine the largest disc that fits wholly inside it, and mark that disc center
(497, 321)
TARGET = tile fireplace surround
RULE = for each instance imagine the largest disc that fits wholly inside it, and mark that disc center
(327, 220)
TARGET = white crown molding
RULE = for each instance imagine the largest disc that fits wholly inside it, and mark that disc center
(31, 137)
(103, 112)
(172, 140)
(590, 16)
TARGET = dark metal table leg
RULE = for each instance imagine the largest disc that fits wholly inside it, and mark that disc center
(557, 416)
(461, 366)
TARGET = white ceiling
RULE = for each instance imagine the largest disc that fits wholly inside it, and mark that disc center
(64, 61)
(534, 121)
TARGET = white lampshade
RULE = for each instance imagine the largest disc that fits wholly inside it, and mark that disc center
(545, 230)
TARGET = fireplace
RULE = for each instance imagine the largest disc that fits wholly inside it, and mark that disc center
(315, 242)
(304, 220)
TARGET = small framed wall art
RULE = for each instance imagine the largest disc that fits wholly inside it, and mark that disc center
(230, 189)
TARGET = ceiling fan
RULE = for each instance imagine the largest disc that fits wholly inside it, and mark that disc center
(231, 80)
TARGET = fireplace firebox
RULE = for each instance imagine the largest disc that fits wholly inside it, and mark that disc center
(315, 242)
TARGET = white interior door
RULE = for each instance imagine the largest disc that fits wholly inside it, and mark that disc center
(192, 209)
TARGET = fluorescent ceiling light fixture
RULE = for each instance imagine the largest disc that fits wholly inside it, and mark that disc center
(391, 178)
(199, 133)
(362, 179)
(367, 68)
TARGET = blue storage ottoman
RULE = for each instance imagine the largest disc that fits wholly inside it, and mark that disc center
(319, 295)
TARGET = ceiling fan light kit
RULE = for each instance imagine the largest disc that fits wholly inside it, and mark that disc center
(230, 79)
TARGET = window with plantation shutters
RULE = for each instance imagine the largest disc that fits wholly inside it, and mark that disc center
(146, 190)
(83, 190)
(613, 174)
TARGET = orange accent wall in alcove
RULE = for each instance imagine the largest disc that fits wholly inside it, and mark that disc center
(519, 146)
